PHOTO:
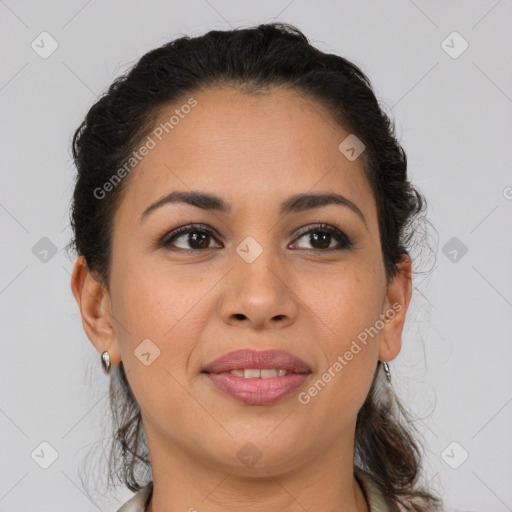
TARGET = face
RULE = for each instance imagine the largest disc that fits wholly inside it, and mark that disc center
(307, 281)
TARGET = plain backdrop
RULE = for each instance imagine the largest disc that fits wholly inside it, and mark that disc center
(441, 69)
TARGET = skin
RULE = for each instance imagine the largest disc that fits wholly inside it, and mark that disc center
(254, 151)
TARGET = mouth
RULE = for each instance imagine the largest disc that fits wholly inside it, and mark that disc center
(258, 373)
(257, 377)
(249, 359)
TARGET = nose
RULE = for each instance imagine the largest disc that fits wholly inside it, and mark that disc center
(259, 294)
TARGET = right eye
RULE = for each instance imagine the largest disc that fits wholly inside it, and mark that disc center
(198, 238)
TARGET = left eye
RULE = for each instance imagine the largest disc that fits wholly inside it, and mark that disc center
(198, 237)
(322, 236)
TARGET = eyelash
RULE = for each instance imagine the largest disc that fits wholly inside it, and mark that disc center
(345, 242)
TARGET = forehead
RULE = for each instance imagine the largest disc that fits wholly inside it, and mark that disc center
(250, 149)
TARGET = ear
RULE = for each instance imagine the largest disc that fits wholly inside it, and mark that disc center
(397, 300)
(93, 300)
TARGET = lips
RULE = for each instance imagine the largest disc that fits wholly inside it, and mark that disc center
(253, 388)
(252, 359)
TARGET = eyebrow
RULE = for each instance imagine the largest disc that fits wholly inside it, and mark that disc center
(294, 204)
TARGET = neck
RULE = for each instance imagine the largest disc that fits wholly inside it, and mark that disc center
(326, 482)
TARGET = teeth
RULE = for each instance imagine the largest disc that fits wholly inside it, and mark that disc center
(255, 373)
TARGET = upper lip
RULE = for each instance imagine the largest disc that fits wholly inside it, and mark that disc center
(250, 358)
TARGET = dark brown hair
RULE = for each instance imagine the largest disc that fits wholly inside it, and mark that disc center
(252, 59)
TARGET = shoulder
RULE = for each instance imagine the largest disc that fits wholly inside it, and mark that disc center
(377, 502)
(139, 501)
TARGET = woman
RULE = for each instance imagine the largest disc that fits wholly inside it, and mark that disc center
(242, 216)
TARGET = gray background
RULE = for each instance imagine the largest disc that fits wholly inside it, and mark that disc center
(453, 116)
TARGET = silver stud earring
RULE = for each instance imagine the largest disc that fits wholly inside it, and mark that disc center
(105, 361)
(386, 369)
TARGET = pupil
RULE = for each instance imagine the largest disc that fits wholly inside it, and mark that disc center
(194, 237)
(326, 239)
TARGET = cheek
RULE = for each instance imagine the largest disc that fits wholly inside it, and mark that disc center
(164, 305)
(347, 299)
(150, 298)
(346, 310)
(158, 328)
(346, 307)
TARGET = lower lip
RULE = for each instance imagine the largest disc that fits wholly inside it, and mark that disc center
(257, 391)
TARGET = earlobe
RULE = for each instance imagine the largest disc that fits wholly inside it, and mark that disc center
(93, 301)
(397, 300)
